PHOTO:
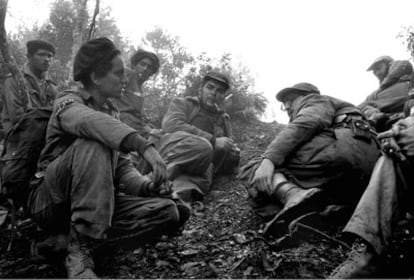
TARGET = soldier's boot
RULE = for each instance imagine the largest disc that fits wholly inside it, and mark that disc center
(296, 202)
(362, 262)
(79, 263)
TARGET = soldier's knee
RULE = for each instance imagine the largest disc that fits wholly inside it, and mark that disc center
(203, 148)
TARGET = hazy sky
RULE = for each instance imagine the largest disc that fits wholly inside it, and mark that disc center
(326, 42)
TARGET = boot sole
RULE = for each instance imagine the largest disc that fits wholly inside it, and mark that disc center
(278, 226)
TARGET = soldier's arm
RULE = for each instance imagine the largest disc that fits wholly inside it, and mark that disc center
(316, 115)
(78, 119)
(13, 103)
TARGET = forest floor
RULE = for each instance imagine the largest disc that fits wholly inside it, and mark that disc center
(222, 239)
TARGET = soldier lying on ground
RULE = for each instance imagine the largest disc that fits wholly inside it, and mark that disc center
(325, 154)
(89, 187)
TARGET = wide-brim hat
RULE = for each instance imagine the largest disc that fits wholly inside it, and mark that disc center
(303, 88)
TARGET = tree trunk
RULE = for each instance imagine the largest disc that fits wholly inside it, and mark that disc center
(8, 59)
(81, 17)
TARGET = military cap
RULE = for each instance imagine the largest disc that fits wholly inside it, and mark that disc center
(34, 45)
(303, 88)
(385, 58)
(140, 54)
(217, 76)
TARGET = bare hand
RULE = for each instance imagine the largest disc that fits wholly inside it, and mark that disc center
(263, 176)
(159, 169)
(406, 140)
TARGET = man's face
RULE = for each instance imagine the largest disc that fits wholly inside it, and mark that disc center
(40, 60)
(380, 70)
(112, 84)
(144, 69)
(290, 103)
(212, 93)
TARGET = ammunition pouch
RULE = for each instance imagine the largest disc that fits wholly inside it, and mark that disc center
(361, 129)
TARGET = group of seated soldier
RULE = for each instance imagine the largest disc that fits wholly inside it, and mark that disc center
(107, 176)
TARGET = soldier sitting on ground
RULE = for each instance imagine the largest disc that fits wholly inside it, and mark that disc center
(324, 155)
(196, 142)
(89, 188)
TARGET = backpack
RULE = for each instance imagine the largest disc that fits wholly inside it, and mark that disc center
(22, 147)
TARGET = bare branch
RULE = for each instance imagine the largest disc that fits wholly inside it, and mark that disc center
(93, 22)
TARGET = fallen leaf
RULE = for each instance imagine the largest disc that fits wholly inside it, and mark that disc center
(240, 238)
(189, 252)
(248, 271)
(161, 263)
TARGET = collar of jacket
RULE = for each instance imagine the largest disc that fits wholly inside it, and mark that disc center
(89, 100)
(28, 72)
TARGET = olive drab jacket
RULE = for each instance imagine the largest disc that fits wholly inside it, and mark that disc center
(76, 116)
(131, 106)
(187, 114)
(393, 90)
(313, 115)
(41, 94)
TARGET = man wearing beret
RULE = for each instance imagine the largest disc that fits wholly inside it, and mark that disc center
(144, 65)
(41, 89)
(324, 154)
(197, 142)
(386, 103)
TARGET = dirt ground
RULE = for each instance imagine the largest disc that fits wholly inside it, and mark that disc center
(222, 239)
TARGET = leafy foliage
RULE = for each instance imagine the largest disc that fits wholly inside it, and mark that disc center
(180, 73)
(407, 35)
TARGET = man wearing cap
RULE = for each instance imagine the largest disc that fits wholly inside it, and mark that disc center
(197, 142)
(144, 64)
(323, 155)
(385, 104)
(41, 89)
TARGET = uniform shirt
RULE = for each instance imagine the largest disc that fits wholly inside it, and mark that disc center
(131, 105)
(393, 90)
(313, 114)
(187, 114)
(41, 93)
(75, 115)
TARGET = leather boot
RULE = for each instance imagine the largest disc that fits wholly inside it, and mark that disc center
(296, 202)
(79, 263)
(362, 262)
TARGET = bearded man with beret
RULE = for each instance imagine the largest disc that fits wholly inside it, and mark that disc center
(41, 89)
(325, 153)
(89, 188)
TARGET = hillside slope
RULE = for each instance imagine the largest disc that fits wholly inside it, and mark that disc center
(222, 239)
